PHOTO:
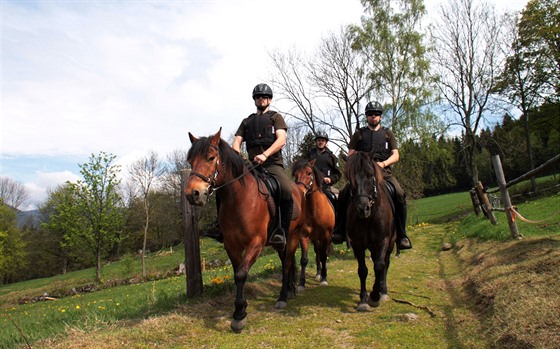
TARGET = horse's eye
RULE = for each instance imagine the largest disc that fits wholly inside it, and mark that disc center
(211, 158)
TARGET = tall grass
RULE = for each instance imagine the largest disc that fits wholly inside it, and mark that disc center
(40, 320)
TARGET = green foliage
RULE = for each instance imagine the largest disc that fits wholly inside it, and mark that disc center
(305, 146)
(90, 212)
(539, 35)
(390, 41)
(12, 247)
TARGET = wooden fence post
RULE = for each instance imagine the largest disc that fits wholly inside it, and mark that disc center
(475, 202)
(486, 203)
(192, 243)
(505, 195)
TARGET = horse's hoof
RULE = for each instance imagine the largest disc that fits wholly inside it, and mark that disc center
(301, 288)
(373, 303)
(318, 277)
(324, 283)
(238, 325)
(281, 305)
(363, 307)
(384, 297)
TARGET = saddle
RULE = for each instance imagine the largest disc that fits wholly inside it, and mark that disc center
(391, 193)
(273, 197)
(331, 196)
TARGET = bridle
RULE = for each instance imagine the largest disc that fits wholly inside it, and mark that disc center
(309, 186)
(371, 198)
(214, 175)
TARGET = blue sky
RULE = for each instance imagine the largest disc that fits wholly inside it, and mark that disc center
(127, 77)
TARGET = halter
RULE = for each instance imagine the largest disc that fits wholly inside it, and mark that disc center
(212, 178)
(307, 186)
(371, 197)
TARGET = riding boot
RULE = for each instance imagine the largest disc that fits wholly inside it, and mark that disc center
(339, 232)
(213, 229)
(278, 238)
(403, 241)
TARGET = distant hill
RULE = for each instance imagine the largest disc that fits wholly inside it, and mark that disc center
(28, 218)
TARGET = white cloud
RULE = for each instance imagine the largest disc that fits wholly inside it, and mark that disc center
(45, 181)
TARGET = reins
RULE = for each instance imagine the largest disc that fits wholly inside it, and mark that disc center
(212, 179)
(236, 178)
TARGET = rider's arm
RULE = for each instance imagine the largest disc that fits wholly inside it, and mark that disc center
(236, 145)
(393, 159)
(278, 143)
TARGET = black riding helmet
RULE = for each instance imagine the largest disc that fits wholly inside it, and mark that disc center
(262, 89)
(322, 135)
(374, 107)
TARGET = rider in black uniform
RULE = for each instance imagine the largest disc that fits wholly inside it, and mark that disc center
(386, 153)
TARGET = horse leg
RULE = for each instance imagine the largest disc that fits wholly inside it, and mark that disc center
(304, 243)
(362, 273)
(321, 252)
(241, 271)
(379, 291)
(288, 274)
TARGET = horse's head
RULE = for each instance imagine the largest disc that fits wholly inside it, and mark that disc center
(302, 171)
(360, 173)
(204, 158)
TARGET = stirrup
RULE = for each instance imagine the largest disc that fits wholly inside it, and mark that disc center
(277, 239)
(213, 231)
(404, 243)
(338, 237)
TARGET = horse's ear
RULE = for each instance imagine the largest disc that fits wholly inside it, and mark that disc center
(312, 162)
(216, 138)
(192, 138)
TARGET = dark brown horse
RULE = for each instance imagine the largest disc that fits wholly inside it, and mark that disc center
(319, 219)
(370, 225)
(244, 216)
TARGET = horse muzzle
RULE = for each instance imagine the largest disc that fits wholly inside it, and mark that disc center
(197, 196)
(363, 205)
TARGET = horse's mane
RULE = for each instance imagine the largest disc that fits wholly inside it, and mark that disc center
(231, 160)
(302, 163)
(361, 162)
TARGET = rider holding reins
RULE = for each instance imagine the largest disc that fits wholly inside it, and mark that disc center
(381, 140)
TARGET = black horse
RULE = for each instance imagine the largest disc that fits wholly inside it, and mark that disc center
(370, 225)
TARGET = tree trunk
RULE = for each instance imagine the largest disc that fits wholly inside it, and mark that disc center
(529, 149)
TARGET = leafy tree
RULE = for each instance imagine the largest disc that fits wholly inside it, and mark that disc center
(539, 35)
(99, 205)
(12, 247)
(63, 221)
(306, 144)
(390, 41)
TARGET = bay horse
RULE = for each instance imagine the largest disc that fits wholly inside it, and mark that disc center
(370, 225)
(244, 215)
(319, 219)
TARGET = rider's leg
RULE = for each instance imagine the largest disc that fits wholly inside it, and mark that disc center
(213, 229)
(339, 232)
(403, 241)
(278, 237)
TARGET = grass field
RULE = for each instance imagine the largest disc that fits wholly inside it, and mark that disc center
(462, 287)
